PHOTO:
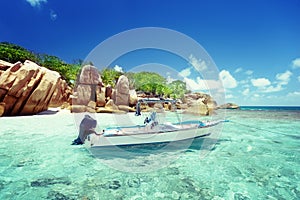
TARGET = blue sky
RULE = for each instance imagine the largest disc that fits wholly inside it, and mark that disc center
(254, 43)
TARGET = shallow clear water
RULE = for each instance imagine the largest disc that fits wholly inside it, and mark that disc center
(257, 156)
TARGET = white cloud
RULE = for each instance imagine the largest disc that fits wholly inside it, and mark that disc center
(296, 63)
(238, 70)
(284, 78)
(265, 85)
(244, 82)
(298, 78)
(198, 64)
(211, 84)
(185, 72)
(227, 79)
(260, 82)
(36, 3)
(229, 96)
(273, 89)
(249, 72)
(200, 84)
(294, 94)
(118, 68)
(53, 15)
(246, 91)
(170, 79)
(193, 85)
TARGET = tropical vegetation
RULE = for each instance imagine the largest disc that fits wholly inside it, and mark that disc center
(148, 82)
(13, 53)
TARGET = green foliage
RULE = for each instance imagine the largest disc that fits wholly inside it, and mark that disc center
(13, 53)
(68, 71)
(178, 89)
(110, 76)
(156, 84)
(149, 82)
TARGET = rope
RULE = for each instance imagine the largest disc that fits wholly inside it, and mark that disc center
(257, 128)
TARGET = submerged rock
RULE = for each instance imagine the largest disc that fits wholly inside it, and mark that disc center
(44, 182)
(135, 182)
(54, 195)
(239, 196)
(2, 184)
(114, 185)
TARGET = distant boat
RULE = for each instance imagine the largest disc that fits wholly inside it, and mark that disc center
(150, 133)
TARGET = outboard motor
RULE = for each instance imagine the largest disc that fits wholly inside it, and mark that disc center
(138, 109)
(87, 126)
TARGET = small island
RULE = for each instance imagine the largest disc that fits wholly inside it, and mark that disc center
(31, 83)
(229, 106)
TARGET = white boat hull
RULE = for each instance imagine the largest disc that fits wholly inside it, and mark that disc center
(150, 137)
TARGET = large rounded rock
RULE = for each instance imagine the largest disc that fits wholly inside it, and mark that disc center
(28, 88)
(101, 100)
(110, 105)
(4, 65)
(133, 98)
(122, 91)
(86, 86)
(199, 103)
(89, 75)
(198, 108)
(61, 94)
(126, 108)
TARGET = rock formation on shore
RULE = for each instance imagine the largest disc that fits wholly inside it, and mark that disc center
(28, 88)
(199, 103)
(90, 95)
(89, 88)
(122, 91)
(229, 106)
(88, 83)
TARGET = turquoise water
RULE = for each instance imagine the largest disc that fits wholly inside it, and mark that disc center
(257, 156)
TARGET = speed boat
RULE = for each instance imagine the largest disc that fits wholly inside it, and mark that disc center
(151, 132)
